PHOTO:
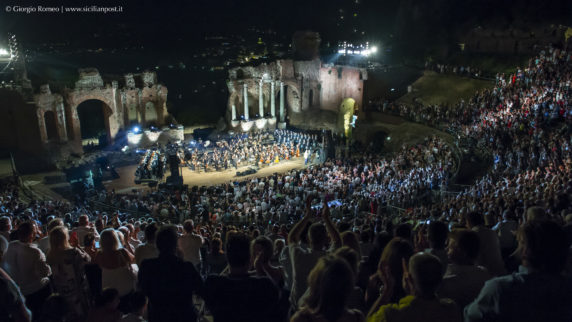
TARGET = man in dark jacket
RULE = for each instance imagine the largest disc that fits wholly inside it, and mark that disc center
(169, 282)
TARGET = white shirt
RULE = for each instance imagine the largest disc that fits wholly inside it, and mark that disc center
(190, 245)
(27, 266)
(44, 245)
(81, 231)
(145, 251)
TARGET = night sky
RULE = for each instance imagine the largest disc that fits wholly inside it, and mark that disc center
(164, 23)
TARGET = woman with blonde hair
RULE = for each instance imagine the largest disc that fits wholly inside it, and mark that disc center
(115, 263)
(330, 284)
(68, 275)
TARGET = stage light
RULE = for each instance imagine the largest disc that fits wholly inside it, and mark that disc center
(133, 138)
(388, 138)
(374, 49)
(4, 52)
(341, 51)
(136, 129)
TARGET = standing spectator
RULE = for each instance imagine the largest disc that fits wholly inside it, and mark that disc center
(68, 275)
(262, 250)
(539, 291)
(115, 265)
(303, 260)
(330, 285)
(216, 259)
(190, 244)
(506, 230)
(148, 249)
(89, 245)
(27, 265)
(381, 288)
(169, 282)
(44, 243)
(5, 227)
(421, 281)
(239, 296)
(490, 253)
(84, 227)
(463, 279)
(437, 236)
(13, 304)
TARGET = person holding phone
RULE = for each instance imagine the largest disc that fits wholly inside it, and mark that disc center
(304, 258)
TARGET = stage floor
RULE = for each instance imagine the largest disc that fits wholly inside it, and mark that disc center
(126, 182)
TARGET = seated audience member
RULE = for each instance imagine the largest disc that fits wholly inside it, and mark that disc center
(539, 291)
(148, 249)
(106, 307)
(421, 280)
(330, 284)
(27, 265)
(489, 251)
(169, 282)
(138, 305)
(239, 296)
(463, 280)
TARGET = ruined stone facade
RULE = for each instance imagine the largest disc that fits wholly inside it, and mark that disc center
(264, 96)
(136, 99)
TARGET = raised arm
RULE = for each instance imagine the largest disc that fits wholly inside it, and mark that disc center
(332, 230)
(294, 235)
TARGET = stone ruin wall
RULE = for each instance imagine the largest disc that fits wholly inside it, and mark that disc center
(123, 106)
(308, 85)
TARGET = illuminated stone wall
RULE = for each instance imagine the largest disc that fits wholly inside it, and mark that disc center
(309, 86)
(123, 105)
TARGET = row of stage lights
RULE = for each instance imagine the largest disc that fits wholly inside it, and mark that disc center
(358, 50)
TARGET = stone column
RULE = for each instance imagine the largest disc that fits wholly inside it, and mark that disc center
(233, 117)
(245, 101)
(260, 100)
(282, 116)
(272, 100)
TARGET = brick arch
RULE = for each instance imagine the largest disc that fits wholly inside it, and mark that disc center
(108, 112)
(157, 110)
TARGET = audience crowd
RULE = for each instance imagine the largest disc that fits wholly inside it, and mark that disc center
(272, 249)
